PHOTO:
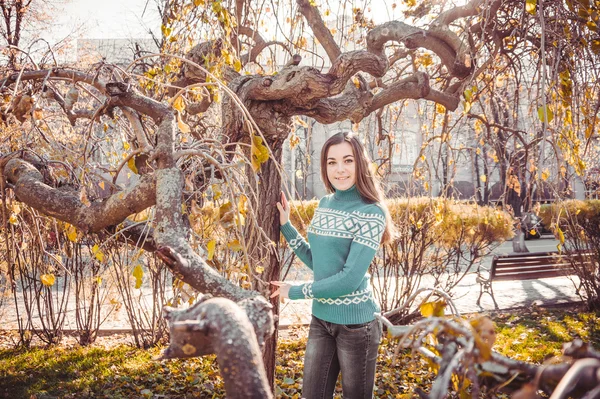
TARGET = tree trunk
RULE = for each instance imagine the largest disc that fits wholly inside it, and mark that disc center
(268, 220)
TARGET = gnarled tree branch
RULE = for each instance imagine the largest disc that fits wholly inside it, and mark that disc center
(322, 33)
(30, 189)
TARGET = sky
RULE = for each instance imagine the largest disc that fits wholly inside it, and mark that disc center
(105, 19)
(124, 19)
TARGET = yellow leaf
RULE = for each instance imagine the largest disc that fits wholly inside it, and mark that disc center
(548, 112)
(561, 235)
(545, 174)
(211, 248)
(48, 279)
(435, 308)
(98, 254)
(227, 56)
(243, 204)
(131, 164)
(426, 309)
(259, 269)
(301, 122)
(183, 127)
(216, 189)
(294, 140)
(237, 65)
(240, 219)
(138, 273)
(198, 3)
(98, 280)
(467, 107)
(530, 6)
(234, 245)
(260, 153)
(13, 219)
(71, 232)
(140, 216)
(226, 214)
(126, 146)
(532, 232)
(166, 31)
(179, 104)
(468, 95)
(101, 185)
(589, 131)
(483, 178)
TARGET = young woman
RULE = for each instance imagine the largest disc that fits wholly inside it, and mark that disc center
(343, 236)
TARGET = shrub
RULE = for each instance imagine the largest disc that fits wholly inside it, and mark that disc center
(438, 238)
(576, 224)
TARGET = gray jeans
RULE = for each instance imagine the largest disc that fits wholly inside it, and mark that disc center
(331, 348)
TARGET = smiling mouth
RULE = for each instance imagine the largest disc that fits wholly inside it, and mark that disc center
(342, 178)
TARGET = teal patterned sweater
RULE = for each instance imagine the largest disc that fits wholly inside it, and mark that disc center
(343, 237)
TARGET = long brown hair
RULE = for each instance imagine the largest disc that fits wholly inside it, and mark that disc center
(367, 183)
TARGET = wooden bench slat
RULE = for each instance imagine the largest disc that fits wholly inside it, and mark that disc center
(562, 264)
(533, 269)
(529, 276)
(544, 254)
(539, 259)
(565, 262)
(500, 265)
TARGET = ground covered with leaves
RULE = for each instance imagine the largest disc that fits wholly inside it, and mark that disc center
(113, 369)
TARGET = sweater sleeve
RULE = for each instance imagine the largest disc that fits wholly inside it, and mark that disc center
(362, 251)
(298, 244)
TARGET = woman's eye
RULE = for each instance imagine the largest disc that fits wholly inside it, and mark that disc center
(349, 160)
(330, 163)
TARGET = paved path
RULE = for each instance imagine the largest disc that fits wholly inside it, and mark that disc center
(509, 294)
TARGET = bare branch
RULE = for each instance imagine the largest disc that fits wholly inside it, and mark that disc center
(322, 33)
(442, 42)
(416, 87)
(61, 73)
(259, 44)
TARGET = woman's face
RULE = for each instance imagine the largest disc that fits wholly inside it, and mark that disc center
(341, 166)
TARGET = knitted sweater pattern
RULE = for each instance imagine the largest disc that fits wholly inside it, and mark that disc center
(343, 237)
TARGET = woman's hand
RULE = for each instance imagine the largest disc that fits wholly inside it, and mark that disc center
(283, 290)
(284, 210)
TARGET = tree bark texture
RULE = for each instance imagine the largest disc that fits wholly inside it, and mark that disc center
(220, 326)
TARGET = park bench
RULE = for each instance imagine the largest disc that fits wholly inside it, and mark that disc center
(528, 266)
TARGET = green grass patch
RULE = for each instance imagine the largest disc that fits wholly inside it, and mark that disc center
(126, 372)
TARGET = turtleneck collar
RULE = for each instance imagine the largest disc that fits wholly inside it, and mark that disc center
(350, 194)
